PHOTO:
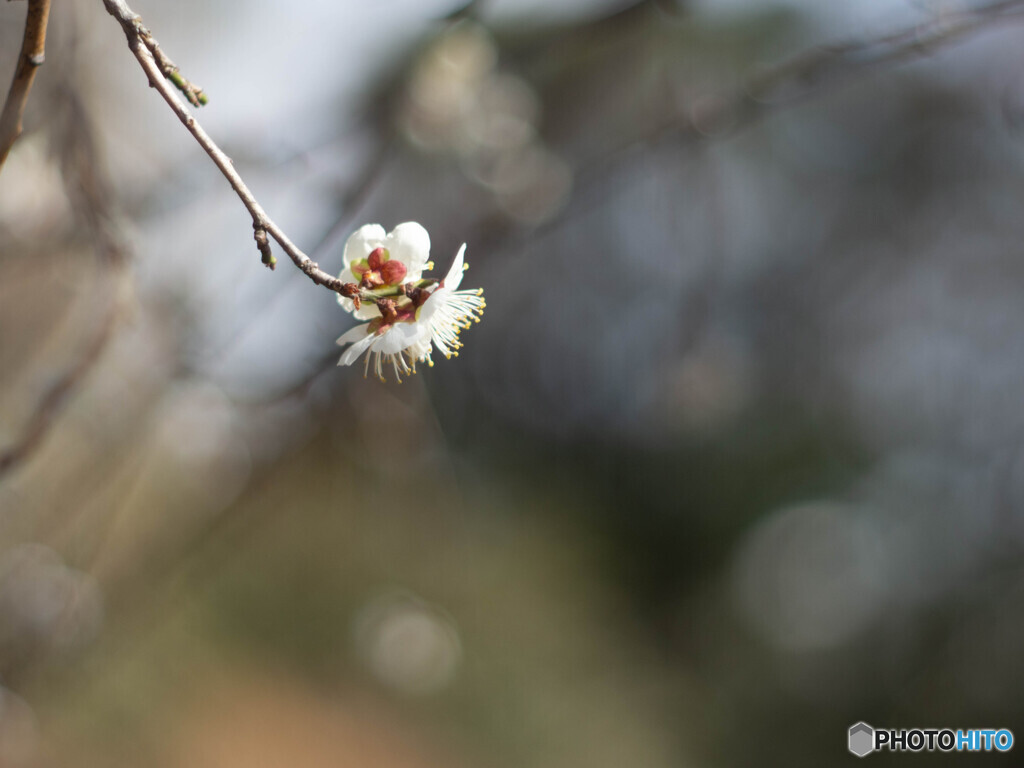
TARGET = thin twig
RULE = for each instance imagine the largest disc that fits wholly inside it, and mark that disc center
(192, 92)
(33, 47)
(143, 45)
(351, 203)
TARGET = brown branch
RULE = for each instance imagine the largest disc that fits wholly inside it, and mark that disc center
(142, 45)
(192, 92)
(31, 58)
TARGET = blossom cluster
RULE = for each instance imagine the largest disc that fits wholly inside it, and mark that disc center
(406, 312)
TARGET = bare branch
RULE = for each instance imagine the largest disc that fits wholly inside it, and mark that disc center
(192, 92)
(31, 58)
(143, 45)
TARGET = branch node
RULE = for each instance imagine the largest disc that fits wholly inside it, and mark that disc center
(263, 243)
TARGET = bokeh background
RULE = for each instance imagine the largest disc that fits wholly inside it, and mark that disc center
(733, 461)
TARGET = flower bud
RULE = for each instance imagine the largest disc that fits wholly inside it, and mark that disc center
(393, 272)
(377, 258)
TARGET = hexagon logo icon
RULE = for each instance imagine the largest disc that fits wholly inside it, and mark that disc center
(862, 739)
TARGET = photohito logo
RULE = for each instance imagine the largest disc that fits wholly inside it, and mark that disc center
(863, 739)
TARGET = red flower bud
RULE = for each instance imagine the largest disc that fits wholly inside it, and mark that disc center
(377, 258)
(393, 272)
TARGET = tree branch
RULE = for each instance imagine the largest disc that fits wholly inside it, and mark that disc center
(31, 58)
(192, 92)
(147, 51)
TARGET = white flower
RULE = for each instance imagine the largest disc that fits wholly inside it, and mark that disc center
(448, 311)
(376, 260)
(396, 346)
(401, 333)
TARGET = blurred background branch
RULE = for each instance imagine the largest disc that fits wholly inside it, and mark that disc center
(90, 191)
(800, 76)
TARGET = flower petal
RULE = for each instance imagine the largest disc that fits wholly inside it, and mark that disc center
(447, 286)
(353, 334)
(410, 244)
(454, 276)
(352, 354)
(432, 304)
(361, 242)
(399, 337)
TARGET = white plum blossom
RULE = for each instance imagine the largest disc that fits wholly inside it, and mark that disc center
(447, 311)
(377, 261)
(396, 345)
(412, 315)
